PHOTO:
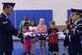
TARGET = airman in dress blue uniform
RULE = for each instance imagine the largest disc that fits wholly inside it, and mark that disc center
(7, 30)
(75, 46)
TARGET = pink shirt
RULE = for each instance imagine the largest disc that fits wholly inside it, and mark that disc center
(41, 28)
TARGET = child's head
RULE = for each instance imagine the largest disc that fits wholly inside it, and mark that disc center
(26, 24)
(67, 22)
(32, 23)
(52, 24)
(71, 21)
(41, 21)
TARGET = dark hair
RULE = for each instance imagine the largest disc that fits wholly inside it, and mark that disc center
(75, 13)
(66, 21)
(5, 7)
(68, 26)
(31, 22)
(71, 21)
(26, 23)
(80, 14)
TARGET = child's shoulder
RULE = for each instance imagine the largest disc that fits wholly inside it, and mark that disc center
(38, 25)
(32, 27)
(56, 28)
(45, 25)
(26, 30)
(52, 28)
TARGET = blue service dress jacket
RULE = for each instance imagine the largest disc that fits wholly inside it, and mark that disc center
(6, 32)
(75, 44)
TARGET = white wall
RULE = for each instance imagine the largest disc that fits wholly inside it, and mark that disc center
(59, 7)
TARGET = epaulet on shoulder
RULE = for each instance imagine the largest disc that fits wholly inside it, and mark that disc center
(79, 22)
(80, 19)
